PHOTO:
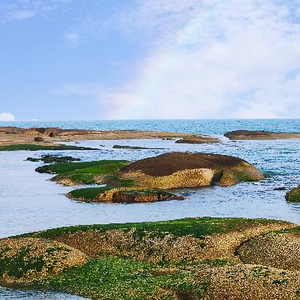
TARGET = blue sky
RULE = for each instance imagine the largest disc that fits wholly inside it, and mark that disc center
(149, 59)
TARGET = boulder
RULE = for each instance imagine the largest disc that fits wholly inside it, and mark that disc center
(293, 195)
(180, 170)
(259, 135)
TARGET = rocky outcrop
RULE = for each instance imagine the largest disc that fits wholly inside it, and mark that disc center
(259, 135)
(49, 158)
(198, 140)
(293, 195)
(25, 260)
(15, 135)
(178, 170)
(123, 195)
(134, 147)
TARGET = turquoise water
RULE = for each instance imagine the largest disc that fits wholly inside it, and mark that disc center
(30, 202)
(193, 126)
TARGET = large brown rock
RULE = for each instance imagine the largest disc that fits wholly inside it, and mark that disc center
(293, 195)
(178, 170)
(260, 135)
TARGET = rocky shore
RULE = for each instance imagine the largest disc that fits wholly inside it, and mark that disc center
(149, 180)
(202, 258)
(46, 136)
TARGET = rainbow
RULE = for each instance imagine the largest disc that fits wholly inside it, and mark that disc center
(139, 96)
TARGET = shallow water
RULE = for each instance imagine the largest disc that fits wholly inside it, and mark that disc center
(30, 202)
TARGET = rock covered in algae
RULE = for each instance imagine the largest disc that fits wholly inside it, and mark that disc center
(180, 170)
(24, 260)
(293, 195)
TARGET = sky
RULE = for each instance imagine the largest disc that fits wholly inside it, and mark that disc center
(149, 59)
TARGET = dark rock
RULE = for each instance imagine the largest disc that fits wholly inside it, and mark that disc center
(143, 196)
(281, 188)
(198, 140)
(33, 159)
(48, 158)
(38, 139)
(259, 135)
(59, 159)
(133, 147)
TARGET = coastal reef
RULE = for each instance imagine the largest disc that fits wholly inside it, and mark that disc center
(149, 180)
(260, 135)
(48, 136)
(198, 258)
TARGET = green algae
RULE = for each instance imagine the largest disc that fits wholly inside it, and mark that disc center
(94, 167)
(196, 227)
(112, 276)
(88, 194)
(29, 147)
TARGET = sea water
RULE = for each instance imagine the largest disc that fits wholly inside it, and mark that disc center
(29, 201)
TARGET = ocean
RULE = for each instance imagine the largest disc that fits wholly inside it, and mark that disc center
(30, 202)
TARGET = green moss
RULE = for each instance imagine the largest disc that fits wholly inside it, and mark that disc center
(94, 167)
(280, 281)
(197, 227)
(117, 278)
(241, 176)
(115, 181)
(260, 271)
(295, 230)
(110, 277)
(20, 264)
(293, 195)
(29, 147)
(88, 194)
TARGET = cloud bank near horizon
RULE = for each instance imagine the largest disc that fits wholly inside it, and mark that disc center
(7, 117)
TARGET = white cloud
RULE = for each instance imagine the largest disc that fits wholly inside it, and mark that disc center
(72, 38)
(22, 14)
(19, 10)
(233, 59)
(6, 117)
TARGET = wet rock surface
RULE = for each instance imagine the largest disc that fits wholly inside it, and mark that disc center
(259, 135)
(133, 147)
(49, 158)
(198, 140)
